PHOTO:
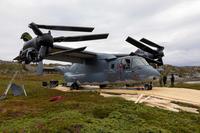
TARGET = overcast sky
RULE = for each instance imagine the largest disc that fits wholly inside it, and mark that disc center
(175, 24)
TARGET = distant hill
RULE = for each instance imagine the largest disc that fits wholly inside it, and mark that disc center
(182, 71)
(10, 67)
(6, 62)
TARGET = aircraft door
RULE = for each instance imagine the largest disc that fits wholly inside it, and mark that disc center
(113, 74)
(125, 68)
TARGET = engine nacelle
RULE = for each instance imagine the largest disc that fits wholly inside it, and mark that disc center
(29, 55)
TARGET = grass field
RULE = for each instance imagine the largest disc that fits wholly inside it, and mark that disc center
(190, 86)
(83, 112)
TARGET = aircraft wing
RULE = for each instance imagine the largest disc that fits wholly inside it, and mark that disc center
(66, 54)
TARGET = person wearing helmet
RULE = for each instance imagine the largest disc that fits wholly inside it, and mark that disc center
(26, 36)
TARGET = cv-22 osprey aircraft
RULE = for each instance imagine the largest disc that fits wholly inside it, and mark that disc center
(90, 67)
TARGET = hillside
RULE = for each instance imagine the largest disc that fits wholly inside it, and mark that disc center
(8, 67)
(182, 71)
(83, 112)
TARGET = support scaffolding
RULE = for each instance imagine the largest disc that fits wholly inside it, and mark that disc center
(16, 89)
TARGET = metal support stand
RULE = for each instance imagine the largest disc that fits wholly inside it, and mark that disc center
(9, 86)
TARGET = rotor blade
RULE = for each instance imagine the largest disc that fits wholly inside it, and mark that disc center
(66, 28)
(68, 51)
(35, 29)
(160, 60)
(39, 69)
(80, 38)
(140, 45)
(144, 40)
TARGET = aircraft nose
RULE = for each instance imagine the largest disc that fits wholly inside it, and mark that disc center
(147, 73)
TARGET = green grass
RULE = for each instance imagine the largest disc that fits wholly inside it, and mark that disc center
(10, 68)
(189, 86)
(84, 112)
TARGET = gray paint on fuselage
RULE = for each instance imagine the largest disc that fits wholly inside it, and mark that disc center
(90, 71)
(107, 68)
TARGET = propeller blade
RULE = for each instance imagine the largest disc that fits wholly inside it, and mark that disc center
(160, 60)
(140, 45)
(150, 43)
(68, 51)
(39, 69)
(66, 28)
(35, 29)
(80, 38)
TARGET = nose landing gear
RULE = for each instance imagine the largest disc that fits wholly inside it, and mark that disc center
(75, 85)
(148, 86)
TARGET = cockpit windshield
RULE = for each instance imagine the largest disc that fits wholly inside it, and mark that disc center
(137, 61)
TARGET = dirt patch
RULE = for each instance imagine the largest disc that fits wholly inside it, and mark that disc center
(154, 101)
(177, 94)
(62, 88)
(161, 97)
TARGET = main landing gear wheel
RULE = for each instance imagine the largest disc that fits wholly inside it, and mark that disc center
(148, 86)
(102, 86)
(75, 86)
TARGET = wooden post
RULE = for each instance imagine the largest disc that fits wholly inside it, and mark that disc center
(24, 90)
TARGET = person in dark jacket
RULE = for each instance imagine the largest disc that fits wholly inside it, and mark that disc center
(172, 80)
(161, 80)
(164, 80)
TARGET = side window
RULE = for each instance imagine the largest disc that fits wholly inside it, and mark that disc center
(112, 66)
(128, 64)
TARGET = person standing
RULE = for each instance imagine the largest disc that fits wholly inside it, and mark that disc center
(164, 80)
(172, 80)
(161, 80)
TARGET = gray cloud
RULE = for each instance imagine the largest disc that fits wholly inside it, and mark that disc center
(173, 23)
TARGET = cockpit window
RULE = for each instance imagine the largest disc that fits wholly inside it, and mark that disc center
(137, 61)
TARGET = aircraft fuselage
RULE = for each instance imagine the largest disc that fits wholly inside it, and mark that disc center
(103, 70)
